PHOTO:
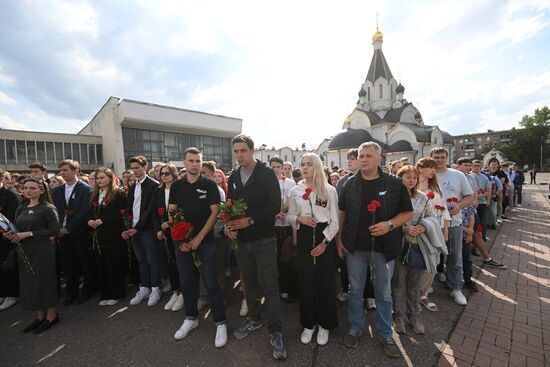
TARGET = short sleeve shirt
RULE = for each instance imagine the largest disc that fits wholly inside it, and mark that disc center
(482, 184)
(195, 200)
(454, 184)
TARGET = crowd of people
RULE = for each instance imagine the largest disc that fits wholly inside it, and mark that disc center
(387, 231)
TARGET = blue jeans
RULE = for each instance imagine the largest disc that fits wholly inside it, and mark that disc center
(189, 281)
(454, 259)
(357, 264)
(148, 256)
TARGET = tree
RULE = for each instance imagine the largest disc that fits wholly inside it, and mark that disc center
(525, 147)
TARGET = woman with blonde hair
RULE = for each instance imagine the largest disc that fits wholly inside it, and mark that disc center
(313, 212)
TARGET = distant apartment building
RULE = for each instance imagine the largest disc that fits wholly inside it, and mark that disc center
(476, 145)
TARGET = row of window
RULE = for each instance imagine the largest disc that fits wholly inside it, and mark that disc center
(159, 146)
(487, 138)
(27, 152)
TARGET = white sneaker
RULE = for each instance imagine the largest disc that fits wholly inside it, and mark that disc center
(221, 336)
(168, 306)
(154, 298)
(8, 302)
(371, 303)
(459, 297)
(185, 328)
(142, 294)
(1, 300)
(322, 336)
(111, 302)
(244, 309)
(343, 296)
(307, 334)
(103, 302)
(441, 277)
(179, 303)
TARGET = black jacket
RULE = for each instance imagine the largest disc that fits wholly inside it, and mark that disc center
(352, 194)
(159, 201)
(9, 201)
(145, 222)
(110, 231)
(262, 195)
(77, 210)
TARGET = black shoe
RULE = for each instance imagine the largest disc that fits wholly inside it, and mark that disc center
(68, 300)
(83, 298)
(471, 286)
(32, 326)
(475, 252)
(45, 325)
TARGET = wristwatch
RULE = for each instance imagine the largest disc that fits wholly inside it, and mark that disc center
(251, 221)
(390, 225)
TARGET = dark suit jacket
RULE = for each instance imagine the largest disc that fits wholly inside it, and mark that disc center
(146, 208)
(9, 201)
(110, 231)
(77, 210)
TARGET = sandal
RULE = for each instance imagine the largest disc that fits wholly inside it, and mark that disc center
(430, 306)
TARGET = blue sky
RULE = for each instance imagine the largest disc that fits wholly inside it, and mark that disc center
(291, 70)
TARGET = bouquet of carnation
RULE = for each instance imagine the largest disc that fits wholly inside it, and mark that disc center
(97, 208)
(7, 226)
(231, 210)
(127, 221)
(182, 231)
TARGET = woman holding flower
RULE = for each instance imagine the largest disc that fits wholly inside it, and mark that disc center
(106, 220)
(168, 175)
(37, 222)
(313, 211)
(411, 267)
(426, 168)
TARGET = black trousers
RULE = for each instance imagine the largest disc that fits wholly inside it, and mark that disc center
(77, 258)
(9, 277)
(112, 265)
(519, 194)
(287, 270)
(316, 281)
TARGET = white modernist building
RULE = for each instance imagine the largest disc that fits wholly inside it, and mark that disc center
(160, 133)
(382, 115)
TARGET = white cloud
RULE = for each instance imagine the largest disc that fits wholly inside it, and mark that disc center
(7, 122)
(6, 100)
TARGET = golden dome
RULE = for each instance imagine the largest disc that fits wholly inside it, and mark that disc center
(378, 36)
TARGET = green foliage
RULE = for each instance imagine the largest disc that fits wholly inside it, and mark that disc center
(526, 142)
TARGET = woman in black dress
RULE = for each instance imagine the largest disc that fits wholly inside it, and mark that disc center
(37, 222)
(108, 205)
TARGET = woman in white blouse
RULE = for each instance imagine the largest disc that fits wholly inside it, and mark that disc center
(428, 182)
(313, 212)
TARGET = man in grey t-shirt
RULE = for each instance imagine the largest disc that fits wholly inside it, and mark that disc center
(458, 194)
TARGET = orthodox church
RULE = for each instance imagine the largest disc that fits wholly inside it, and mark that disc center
(384, 116)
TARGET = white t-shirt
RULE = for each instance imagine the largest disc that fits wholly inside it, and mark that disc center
(454, 184)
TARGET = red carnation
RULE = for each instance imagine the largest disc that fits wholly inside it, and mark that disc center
(481, 191)
(229, 202)
(376, 203)
(305, 197)
(455, 200)
(104, 201)
(95, 203)
(480, 227)
(225, 217)
(180, 230)
(161, 211)
(130, 218)
(309, 190)
(430, 195)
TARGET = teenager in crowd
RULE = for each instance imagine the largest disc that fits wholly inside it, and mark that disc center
(283, 231)
(257, 185)
(56, 181)
(313, 211)
(106, 216)
(142, 233)
(37, 222)
(198, 198)
(168, 175)
(72, 201)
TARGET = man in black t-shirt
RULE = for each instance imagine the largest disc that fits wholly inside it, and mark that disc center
(495, 171)
(199, 199)
(355, 241)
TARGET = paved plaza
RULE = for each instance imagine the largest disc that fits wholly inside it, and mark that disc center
(506, 323)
